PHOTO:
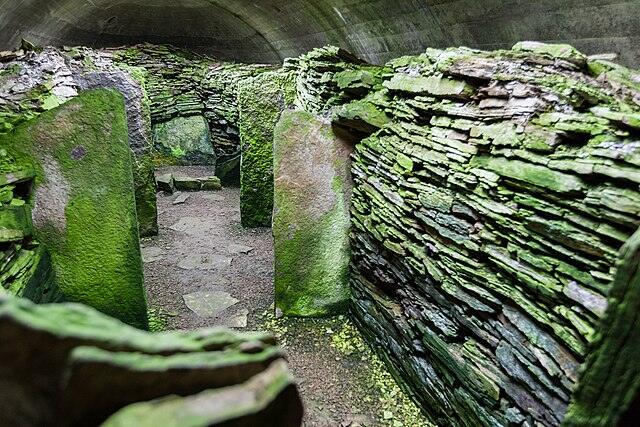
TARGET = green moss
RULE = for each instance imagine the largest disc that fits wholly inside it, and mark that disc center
(260, 101)
(185, 139)
(94, 248)
(311, 253)
(145, 194)
(395, 409)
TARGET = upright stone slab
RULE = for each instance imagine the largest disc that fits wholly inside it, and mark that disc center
(184, 141)
(83, 204)
(260, 102)
(311, 216)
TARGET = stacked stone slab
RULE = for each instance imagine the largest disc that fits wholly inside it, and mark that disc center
(68, 365)
(173, 78)
(220, 95)
(183, 84)
(491, 199)
(25, 268)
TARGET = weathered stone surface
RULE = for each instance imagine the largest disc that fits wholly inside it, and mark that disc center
(490, 201)
(209, 303)
(186, 183)
(268, 399)
(210, 183)
(611, 374)
(39, 81)
(260, 102)
(181, 199)
(186, 139)
(311, 216)
(132, 377)
(88, 225)
(95, 365)
(165, 183)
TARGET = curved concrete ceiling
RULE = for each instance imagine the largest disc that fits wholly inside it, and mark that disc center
(377, 30)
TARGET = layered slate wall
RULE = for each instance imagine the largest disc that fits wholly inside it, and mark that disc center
(75, 165)
(182, 84)
(377, 30)
(493, 192)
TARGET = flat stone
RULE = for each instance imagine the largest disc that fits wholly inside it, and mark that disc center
(151, 254)
(185, 183)
(181, 199)
(193, 226)
(210, 183)
(204, 262)
(238, 320)
(165, 183)
(209, 303)
(239, 249)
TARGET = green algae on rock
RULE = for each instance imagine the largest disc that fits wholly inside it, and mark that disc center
(265, 400)
(311, 216)
(185, 140)
(261, 100)
(83, 202)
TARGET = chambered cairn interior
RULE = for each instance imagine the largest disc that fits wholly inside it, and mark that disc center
(319, 213)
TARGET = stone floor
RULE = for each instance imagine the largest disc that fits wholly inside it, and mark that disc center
(204, 269)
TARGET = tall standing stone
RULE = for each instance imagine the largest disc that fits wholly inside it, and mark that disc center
(83, 204)
(261, 100)
(311, 216)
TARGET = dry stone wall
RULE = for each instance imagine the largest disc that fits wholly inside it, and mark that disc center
(493, 192)
(183, 84)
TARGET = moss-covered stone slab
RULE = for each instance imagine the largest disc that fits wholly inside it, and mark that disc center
(15, 223)
(185, 140)
(260, 101)
(311, 216)
(83, 203)
(268, 399)
(70, 363)
(132, 377)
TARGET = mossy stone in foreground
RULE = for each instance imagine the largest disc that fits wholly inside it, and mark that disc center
(67, 364)
(268, 399)
(83, 204)
(311, 216)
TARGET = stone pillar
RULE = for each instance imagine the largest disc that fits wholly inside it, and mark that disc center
(311, 216)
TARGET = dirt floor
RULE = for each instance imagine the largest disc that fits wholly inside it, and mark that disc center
(204, 262)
